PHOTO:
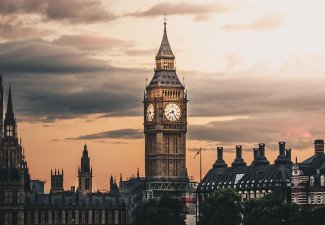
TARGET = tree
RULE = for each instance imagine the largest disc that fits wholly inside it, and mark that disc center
(270, 210)
(165, 211)
(223, 207)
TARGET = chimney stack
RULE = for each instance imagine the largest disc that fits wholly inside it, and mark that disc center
(284, 156)
(319, 147)
(261, 148)
(288, 154)
(238, 152)
(238, 160)
(220, 153)
(219, 162)
(256, 150)
(282, 147)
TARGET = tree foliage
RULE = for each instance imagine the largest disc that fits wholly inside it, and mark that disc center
(223, 207)
(270, 210)
(165, 211)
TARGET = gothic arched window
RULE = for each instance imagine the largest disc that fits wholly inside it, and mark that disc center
(322, 181)
(312, 181)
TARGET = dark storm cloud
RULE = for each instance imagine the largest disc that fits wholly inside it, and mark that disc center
(199, 11)
(113, 134)
(54, 82)
(91, 42)
(39, 56)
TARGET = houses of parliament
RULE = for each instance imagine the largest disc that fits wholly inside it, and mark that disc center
(23, 201)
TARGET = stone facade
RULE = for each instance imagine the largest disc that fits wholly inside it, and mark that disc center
(165, 119)
(308, 179)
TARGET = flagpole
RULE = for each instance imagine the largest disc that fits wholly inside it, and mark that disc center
(200, 165)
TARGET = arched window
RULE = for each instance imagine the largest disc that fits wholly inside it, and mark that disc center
(312, 181)
(322, 181)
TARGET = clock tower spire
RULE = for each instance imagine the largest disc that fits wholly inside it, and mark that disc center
(165, 119)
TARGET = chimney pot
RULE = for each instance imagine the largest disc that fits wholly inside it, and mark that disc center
(261, 149)
(220, 153)
(288, 154)
(282, 147)
(238, 151)
(319, 147)
(255, 153)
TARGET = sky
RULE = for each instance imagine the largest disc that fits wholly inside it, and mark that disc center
(254, 72)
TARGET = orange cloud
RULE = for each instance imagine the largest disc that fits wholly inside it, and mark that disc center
(268, 21)
(199, 11)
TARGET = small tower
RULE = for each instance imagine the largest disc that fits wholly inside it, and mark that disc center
(10, 128)
(1, 107)
(14, 170)
(85, 174)
(56, 181)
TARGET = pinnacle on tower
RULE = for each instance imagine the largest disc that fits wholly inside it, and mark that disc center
(10, 111)
(165, 51)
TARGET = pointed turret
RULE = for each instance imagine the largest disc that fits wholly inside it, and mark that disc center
(85, 174)
(10, 111)
(165, 71)
(165, 51)
(10, 122)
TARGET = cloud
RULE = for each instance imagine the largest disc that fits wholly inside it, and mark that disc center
(56, 82)
(90, 42)
(40, 56)
(199, 11)
(78, 11)
(297, 130)
(233, 62)
(16, 28)
(72, 11)
(249, 92)
(134, 52)
(52, 82)
(113, 134)
(268, 21)
(22, 6)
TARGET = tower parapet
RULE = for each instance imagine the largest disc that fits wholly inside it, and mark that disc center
(56, 181)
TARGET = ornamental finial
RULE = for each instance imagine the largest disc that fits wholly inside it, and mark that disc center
(165, 19)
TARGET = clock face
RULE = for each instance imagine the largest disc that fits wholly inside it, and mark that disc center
(172, 112)
(150, 112)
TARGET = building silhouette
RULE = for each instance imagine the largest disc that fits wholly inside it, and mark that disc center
(249, 181)
(308, 178)
(165, 126)
(23, 201)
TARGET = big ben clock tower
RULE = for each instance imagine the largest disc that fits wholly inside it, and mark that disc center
(165, 120)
